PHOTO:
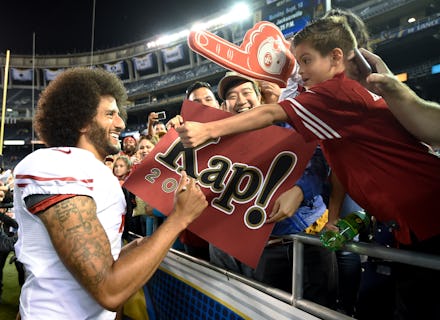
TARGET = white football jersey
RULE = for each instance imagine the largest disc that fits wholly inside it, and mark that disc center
(50, 291)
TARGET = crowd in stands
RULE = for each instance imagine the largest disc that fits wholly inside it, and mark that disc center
(8, 228)
(339, 280)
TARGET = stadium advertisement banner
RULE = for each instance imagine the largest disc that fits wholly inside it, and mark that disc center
(292, 15)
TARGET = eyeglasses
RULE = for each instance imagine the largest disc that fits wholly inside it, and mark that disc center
(197, 85)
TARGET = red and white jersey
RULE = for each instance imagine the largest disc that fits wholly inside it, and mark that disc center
(50, 291)
(383, 167)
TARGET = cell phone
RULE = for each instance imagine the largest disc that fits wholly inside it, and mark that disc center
(161, 115)
(364, 67)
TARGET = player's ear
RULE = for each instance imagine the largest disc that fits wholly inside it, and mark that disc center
(84, 129)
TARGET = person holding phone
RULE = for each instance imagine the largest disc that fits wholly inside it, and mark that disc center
(419, 116)
(156, 129)
(161, 115)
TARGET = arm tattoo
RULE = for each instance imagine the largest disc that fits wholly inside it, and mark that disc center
(79, 240)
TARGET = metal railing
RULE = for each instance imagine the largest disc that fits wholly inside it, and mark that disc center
(372, 250)
(295, 298)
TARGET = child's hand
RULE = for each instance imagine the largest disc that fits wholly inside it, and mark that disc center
(193, 134)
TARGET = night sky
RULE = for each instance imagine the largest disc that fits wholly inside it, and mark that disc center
(65, 26)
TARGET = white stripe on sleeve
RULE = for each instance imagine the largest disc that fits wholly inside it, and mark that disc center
(313, 123)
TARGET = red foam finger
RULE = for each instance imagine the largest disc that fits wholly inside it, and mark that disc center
(264, 53)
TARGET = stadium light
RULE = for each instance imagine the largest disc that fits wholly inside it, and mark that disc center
(239, 12)
(13, 142)
(169, 38)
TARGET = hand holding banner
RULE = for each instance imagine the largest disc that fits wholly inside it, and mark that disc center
(241, 176)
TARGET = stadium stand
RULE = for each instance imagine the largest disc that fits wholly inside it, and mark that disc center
(156, 76)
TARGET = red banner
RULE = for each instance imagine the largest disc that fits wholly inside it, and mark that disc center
(241, 176)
